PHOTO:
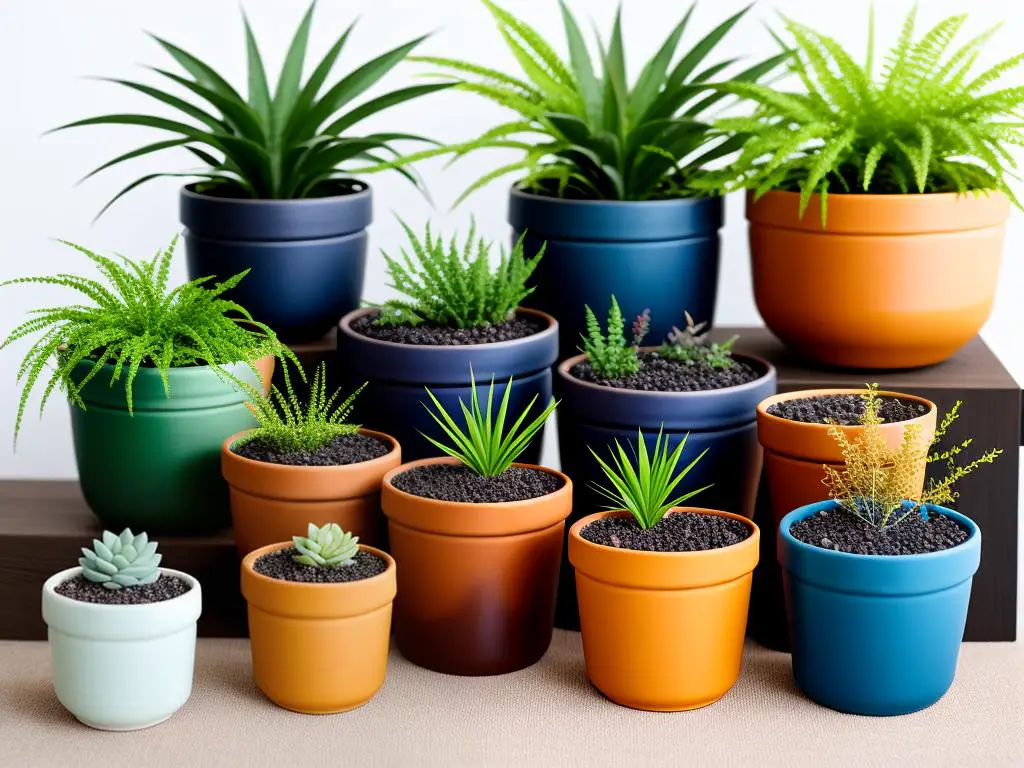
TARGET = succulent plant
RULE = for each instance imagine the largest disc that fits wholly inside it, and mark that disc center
(327, 547)
(121, 561)
(691, 345)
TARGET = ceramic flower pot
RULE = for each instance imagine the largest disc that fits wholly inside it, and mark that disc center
(660, 255)
(663, 631)
(122, 667)
(476, 592)
(921, 271)
(397, 374)
(876, 634)
(158, 469)
(307, 256)
(272, 502)
(318, 648)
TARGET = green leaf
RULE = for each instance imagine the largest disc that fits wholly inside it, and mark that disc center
(582, 66)
(259, 91)
(654, 74)
(289, 84)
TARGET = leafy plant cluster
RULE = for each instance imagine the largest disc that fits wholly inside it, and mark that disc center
(691, 345)
(326, 547)
(609, 353)
(121, 561)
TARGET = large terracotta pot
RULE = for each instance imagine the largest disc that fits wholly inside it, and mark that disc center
(663, 631)
(273, 502)
(890, 281)
(477, 582)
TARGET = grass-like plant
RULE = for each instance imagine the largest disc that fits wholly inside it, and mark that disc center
(691, 345)
(132, 319)
(610, 354)
(292, 143)
(484, 444)
(643, 485)
(326, 547)
(455, 286)
(879, 484)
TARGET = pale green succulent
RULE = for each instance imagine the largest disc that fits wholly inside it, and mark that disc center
(327, 547)
(121, 561)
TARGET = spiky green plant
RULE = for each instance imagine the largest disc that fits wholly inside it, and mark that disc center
(645, 490)
(610, 354)
(326, 547)
(691, 345)
(455, 286)
(121, 561)
(294, 143)
(132, 320)
(484, 445)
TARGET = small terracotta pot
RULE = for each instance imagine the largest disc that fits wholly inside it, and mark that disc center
(273, 502)
(478, 581)
(794, 452)
(318, 648)
(663, 631)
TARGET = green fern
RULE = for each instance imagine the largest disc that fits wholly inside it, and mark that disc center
(609, 354)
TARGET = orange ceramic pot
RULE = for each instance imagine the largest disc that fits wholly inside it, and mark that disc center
(478, 581)
(794, 452)
(318, 648)
(273, 502)
(890, 281)
(663, 631)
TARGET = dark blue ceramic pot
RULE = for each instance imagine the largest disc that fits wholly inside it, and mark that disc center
(721, 420)
(396, 375)
(307, 257)
(660, 255)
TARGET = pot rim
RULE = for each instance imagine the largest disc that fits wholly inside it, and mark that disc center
(583, 522)
(250, 559)
(187, 190)
(877, 198)
(801, 394)
(515, 189)
(255, 465)
(180, 370)
(56, 579)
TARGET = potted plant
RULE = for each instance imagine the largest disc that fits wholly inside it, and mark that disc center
(305, 463)
(650, 573)
(274, 195)
(320, 603)
(122, 634)
(154, 378)
(909, 168)
(878, 579)
(688, 389)
(479, 538)
(457, 314)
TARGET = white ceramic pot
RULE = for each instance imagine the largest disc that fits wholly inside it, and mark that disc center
(122, 667)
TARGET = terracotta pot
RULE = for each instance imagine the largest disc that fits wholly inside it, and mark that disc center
(663, 631)
(273, 502)
(891, 281)
(478, 581)
(318, 648)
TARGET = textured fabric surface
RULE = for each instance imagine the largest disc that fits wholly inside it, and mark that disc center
(547, 715)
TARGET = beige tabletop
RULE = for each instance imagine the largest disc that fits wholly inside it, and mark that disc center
(547, 715)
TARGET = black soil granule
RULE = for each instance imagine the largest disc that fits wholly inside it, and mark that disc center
(280, 565)
(85, 591)
(676, 532)
(844, 409)
(441, 335)
(454, 482)
(345, 449)
(840, 530)
(658, 374)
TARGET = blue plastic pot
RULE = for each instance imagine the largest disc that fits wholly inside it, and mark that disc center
(660, 255)
(876, 634)
(721, 420)
(307, 257)
(397, 374)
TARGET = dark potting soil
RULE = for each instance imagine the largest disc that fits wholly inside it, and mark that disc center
(454, 482)
(677, 532)
(85, 591)
(280, 565)
(426, 334)
(330, 188)
(345, 449)
(844, 409)
(658, 374)
(842, 531)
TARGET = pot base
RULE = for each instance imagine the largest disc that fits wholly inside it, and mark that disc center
(645, 708)
(125, 729)
(308, 711)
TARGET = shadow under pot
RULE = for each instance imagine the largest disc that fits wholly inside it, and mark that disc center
(876, 634)
(158, 468)
(692, 605)
(476, 591)
(661, 255)
(273, 496)
(593, 416)
(398, 372)
(307, 257)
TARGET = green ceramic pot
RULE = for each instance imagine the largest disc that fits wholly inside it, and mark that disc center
(158, 469)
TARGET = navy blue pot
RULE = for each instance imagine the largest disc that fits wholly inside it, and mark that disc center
(396, 375)
(721, 420)
(660, 255)
(307, 256)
